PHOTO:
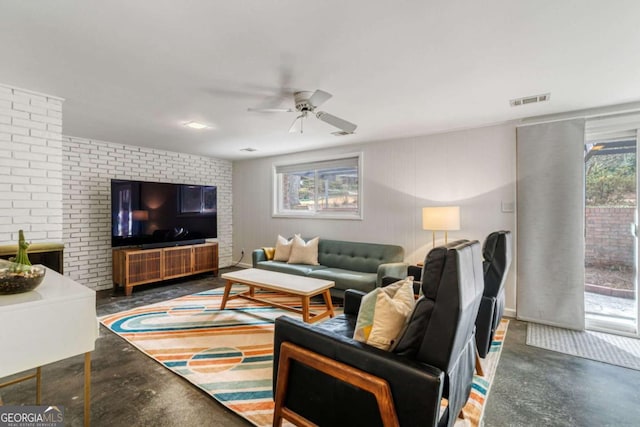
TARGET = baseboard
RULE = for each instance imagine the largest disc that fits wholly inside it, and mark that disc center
(544, 322)
(509, 312)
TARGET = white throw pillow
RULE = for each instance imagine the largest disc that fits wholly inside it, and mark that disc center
(283, 248)
(304, 253)
(384, 313)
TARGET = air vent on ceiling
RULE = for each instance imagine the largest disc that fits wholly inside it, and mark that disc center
(341, 133)
(248, 149)
(530, 99)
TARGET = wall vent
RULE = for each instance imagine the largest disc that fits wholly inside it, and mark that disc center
(530, 99)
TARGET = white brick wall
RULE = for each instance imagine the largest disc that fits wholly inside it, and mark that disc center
(89, 166)
(30, 166)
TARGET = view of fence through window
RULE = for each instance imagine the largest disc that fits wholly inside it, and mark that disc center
(327, 187)
(610, 206)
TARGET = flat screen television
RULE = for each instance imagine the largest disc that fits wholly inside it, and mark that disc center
(155, 214)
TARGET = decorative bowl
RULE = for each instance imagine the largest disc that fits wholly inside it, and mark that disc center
(18, 278)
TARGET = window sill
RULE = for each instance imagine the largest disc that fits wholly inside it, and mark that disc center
(354, 217)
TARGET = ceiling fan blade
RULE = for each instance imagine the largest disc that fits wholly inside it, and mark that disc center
(337, 122)
(270, 110)
(293, 129)
(278, 95)
(319, 97)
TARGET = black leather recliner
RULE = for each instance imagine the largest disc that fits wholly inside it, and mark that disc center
(497, 253)
(433, 359)
(414, 271)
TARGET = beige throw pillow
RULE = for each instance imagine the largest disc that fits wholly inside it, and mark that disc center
(304, 253)
(384, 313)
(283, 249)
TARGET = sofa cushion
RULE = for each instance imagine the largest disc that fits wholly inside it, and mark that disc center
(283, 267)
(304, 252)
(347, 279)
(357, 256)
(383, 314)
(283, 249)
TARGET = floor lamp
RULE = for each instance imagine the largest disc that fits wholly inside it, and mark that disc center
(441, 218)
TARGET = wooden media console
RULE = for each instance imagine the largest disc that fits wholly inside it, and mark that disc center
(134, 266)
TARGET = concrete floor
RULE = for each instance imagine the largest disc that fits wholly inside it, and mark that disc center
(538, 387)
(533, 387)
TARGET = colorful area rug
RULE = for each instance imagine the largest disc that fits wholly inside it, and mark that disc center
(607, 348)
(229, 353)
(474, 409)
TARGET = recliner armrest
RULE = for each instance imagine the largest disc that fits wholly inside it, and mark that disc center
(386, 281)
(416, 272)
(352, 300)
(484, 325)
(407, 378)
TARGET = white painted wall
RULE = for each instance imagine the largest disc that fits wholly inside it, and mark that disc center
(474, 169)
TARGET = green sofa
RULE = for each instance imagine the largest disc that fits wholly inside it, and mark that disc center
(351, 265)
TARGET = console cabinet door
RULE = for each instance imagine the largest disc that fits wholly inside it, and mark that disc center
(143, 266)
(177, 262)
(205, 258)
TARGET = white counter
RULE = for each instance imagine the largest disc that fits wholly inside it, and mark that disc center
(55, 321)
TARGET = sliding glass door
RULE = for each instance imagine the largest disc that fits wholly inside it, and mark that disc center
(611, 254)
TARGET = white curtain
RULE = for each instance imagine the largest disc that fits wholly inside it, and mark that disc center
(550, 223)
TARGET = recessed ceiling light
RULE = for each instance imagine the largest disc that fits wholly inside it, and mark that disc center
(195, 125)
(249, 149)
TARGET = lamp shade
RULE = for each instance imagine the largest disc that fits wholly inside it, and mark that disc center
(140, 215)
(441, 218)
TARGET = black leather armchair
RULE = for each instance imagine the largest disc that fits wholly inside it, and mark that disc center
(415, 271)
(497, 253)
(433, 359)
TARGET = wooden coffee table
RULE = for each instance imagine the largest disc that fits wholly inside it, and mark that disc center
(304, 287)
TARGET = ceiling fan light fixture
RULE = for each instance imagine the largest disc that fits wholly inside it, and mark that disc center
(293, 128)
(306, 103)
(195, 125)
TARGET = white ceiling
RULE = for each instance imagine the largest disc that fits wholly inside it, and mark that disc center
(133, 71)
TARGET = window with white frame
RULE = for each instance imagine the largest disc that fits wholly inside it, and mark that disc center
(328, 188)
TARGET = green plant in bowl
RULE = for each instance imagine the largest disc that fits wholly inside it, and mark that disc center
(18, 275)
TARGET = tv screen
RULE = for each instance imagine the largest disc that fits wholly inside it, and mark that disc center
(155, 214)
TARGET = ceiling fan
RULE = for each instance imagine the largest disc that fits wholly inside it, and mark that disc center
(306, 103)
